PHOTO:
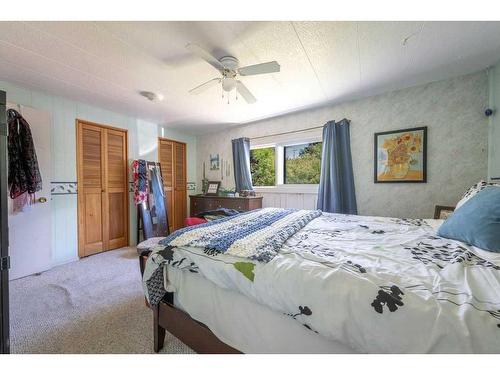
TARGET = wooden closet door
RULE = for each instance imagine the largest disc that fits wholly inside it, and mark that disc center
(116, 202)
(91, 177)
(180, 193)
(172, 156)
(166, 158)
(103, 213)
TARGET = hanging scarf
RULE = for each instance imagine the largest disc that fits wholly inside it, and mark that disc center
(140, 173)
(24, 174)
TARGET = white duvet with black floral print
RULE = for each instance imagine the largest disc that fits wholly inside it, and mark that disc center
(378, 285)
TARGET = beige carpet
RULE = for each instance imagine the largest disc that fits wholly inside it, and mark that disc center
(94, 305)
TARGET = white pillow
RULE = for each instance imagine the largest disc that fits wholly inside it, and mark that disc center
(473, 190)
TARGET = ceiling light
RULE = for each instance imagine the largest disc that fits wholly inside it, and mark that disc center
(154, 97)
(228, 84)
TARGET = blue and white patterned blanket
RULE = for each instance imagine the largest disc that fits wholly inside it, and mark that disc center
(257, 234)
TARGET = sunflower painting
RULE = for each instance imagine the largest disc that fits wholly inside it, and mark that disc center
(400, 155)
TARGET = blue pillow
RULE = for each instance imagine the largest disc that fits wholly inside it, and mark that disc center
(477, 222)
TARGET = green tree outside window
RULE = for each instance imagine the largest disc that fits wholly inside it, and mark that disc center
(303, 163)
(263, 166)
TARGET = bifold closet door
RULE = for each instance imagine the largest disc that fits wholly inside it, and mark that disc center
(166, 158)
(102, 188)
(91, 176)
(116, 190)
(180, 192)
(172, 157)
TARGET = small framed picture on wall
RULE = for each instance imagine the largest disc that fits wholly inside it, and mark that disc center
(214, 162)
(401, 155)
(212, 188)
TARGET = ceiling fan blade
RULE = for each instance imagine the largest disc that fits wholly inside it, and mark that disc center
(200, 52)
(268, 67)
(243, 91)
(204, 86)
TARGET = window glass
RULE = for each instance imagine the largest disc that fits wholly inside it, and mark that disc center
(263, 167)
(303, 163)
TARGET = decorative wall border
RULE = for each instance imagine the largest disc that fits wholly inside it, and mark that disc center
(63, 188)
(71, 187)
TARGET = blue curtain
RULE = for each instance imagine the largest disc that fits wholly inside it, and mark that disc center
(336, 186)
(241, 162)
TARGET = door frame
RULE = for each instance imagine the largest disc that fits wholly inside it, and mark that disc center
(79, 123)
(4, 232)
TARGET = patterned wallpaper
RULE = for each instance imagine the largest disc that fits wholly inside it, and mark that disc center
(457, 143)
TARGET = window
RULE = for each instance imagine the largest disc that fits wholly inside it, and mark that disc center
(288, 166)
(302, 163)
(263, 166)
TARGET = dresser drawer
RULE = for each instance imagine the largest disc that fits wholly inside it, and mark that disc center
(198, 203)
(211, 204)
(235, 204)
(207, 203)
(197, 206)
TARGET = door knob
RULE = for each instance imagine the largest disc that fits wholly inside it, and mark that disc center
(42, 200)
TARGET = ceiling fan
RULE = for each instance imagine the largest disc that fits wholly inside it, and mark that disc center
(228, 67)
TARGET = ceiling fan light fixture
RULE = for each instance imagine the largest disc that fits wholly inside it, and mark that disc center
(228, 84)
(228, 67)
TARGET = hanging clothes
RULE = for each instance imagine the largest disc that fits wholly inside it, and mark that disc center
(140, 173)
(22, 203)
(24, 174)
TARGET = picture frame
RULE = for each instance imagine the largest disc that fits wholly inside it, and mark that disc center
(214, 162)
(400, 156)
(212, 188)
(443, 212)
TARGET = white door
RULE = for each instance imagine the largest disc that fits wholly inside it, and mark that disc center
(30, 231)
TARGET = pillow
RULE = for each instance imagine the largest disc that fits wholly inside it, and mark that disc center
(473, 190)
(477, 222)
(190, 221)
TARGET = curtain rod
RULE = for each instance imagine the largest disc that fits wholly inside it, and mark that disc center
(295, 131)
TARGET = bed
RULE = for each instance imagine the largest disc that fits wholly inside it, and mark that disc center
(311, 282)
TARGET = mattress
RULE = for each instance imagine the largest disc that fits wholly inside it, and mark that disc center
(241, 323)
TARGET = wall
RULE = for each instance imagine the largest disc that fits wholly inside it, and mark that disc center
(457, 144)
(494, 124)
(142, 137)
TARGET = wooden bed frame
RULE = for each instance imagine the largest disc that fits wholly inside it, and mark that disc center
(196, 335)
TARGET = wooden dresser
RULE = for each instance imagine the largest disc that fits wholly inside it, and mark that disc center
(201, 203)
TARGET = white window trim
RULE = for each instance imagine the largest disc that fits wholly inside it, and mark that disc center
(281, 187)
(288, 189)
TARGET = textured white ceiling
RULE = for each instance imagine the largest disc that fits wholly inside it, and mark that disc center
(108, 63)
